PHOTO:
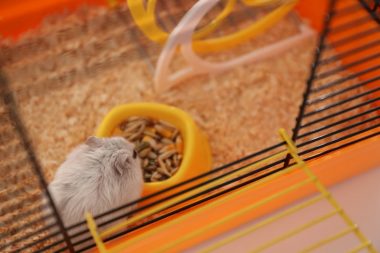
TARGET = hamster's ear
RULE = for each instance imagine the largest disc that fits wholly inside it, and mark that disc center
(93, 142)
(122, 163)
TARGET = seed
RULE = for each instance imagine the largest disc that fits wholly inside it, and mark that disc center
(166, 124)
(145, 163)
(151, 132)
(175, 160)
(164, 171)
(167, 154)
(152, 155)
(151, 167)
(158, 147)
(141, 129)
(166, 141)
(143, 153)
(162, 168)
(175, 134)
(167, 148)
(155, 176)
(133, 137)
(150, 140)
(163, 131)
(134, 118)
(141, 146)
(131, 127)
(168, 164)
(160, 162)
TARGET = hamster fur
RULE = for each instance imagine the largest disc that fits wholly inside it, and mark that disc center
(97, 176)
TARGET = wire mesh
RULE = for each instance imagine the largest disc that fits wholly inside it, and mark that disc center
(349, 38)
(349, 31)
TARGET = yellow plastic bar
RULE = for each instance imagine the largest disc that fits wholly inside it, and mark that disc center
(328, 240)
(259, 27)
(295, 231)
(206, 207)
(175, 200)
(321, 188)
(362, 246)
(94, 232)
(146, 21)
(262, 202)
(265, 222)
(262, 2)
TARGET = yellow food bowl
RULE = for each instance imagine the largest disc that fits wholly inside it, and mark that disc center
(196, 153)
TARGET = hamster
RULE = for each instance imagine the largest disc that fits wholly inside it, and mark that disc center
(97, 176)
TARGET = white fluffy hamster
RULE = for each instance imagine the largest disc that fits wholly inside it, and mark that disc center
(99, 175)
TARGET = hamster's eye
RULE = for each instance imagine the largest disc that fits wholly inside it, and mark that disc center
(134, 154)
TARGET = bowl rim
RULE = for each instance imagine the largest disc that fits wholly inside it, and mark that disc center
(114, 118)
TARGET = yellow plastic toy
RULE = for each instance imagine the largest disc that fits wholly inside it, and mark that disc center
(146, 21)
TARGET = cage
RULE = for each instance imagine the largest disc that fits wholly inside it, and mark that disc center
(61, 74)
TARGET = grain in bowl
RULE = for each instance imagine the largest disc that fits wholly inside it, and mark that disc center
(158, 143)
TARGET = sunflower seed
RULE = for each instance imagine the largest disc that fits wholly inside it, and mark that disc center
(144, 153)
(167, 154)
(167, 141)
(163, 131)
(151, 168)
(151, 132)
(134, 118)
(151, 141)
(167, 125)
(167, 148)
(131, 127)
(145, 163)
(164, 171)
(155, 176)
(175, 134)
(141, 146)
(152, 155)
(133, 137)
(175, 160)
